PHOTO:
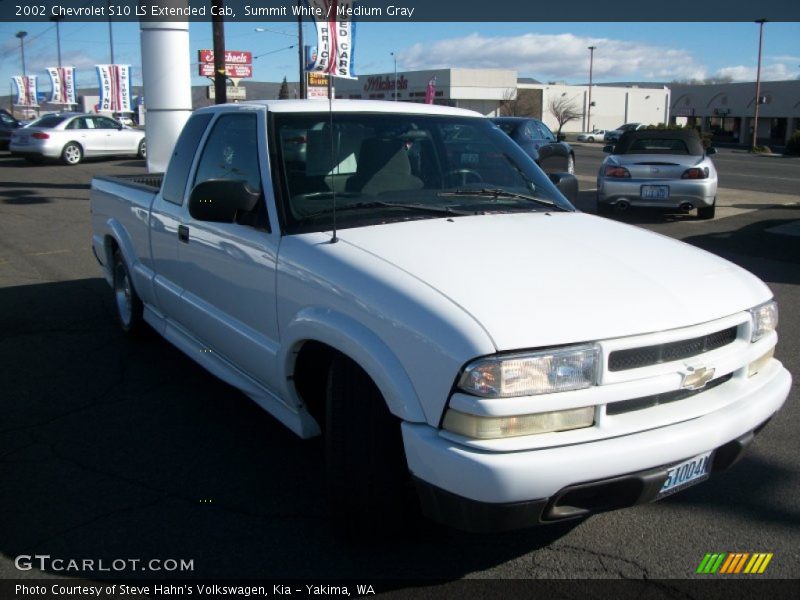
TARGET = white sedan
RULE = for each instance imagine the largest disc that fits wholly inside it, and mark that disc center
(72, 137)
(598, 135)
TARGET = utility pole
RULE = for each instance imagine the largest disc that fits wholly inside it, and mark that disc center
(589, 106)
(110, 32)
(758, 81)
(220, 77)
(57, 21)
(301, 49)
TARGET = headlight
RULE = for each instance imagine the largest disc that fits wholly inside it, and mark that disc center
(765, 319)
(543, 372)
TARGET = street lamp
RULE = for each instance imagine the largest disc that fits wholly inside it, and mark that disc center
(21, 35)
(300, 50)
(589, 107)
(758, 80)
(394, 56)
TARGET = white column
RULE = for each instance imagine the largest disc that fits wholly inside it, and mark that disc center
(167, 85)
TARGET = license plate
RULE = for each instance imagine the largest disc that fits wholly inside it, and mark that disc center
(469, 159)
(23, 140)
(685, 474)
(655, 192)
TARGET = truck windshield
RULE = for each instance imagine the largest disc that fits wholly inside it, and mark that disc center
(395, 167)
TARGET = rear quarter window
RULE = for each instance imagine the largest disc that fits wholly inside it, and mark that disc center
(182, 158)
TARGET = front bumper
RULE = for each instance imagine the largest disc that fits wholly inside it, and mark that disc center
(697, 192)
(480, 490)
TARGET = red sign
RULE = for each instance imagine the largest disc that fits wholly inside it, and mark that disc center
(240, 71)
(381, 84)
(232, 57)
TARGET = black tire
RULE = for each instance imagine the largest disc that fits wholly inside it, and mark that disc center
(127, 304)
(141, 152)
(591, 139)
(369, 488)
(706, 213)
(72, 154)
(602, 207)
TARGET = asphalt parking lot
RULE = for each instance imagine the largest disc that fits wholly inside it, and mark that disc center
(112, 448)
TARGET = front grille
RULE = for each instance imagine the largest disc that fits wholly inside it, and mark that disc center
(626, 406)
(633, 358)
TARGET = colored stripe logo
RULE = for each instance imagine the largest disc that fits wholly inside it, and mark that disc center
(734, 563)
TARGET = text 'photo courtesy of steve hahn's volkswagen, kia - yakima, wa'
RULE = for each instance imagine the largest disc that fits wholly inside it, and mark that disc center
(413, 287)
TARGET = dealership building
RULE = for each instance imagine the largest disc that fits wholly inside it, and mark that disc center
(487, 91)
(727, 110)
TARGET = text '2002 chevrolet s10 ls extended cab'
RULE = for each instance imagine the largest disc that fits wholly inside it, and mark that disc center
(404, 280)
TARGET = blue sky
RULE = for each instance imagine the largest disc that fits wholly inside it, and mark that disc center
(546, 51)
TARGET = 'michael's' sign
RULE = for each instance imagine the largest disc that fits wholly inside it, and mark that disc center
(381, 84)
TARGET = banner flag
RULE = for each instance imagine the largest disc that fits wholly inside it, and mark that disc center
(115, 88)
(26, 90)
(430, 91)
(63, 81)
(336, 37)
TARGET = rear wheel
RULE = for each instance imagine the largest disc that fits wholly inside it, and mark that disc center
(142, 151)
(367, 476)
(591, 139)
(571, 164)
(128, 305)
(72, 154)
(707, 212)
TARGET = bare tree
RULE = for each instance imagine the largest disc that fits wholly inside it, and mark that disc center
(564, 110)
(518, 103)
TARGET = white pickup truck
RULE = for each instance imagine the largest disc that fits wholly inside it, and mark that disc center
(404, 280)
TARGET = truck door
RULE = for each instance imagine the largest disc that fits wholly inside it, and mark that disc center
(167, 213)
(228, 269)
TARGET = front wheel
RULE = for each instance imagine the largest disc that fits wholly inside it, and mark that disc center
(591, 139)
(72, 154)
(367, 476)
(128, 305)
(142, 151)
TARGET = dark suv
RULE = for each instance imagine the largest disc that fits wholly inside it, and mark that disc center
(536, 139)
(7, 124)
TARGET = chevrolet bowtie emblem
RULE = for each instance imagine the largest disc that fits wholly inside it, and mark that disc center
(696, 379)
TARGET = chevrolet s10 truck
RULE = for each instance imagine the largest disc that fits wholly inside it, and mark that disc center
(404, 280)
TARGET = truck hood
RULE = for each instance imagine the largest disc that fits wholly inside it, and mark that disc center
(539, 279)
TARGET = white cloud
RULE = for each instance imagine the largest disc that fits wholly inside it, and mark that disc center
(772, 72)
(562, 56)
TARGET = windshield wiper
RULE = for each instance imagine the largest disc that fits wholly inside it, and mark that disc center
(440, 210)
(501, 193)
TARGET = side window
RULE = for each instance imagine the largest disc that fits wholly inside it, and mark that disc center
(103, 123)
(546, 133)
(76, 124)
(7, 120)
(178, 171)
(231, 151)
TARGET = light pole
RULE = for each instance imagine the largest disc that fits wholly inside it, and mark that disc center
(21, 35)
(301, 85)
(758, 81)
(589, 105)
(394, 56)
(57, 20)
(110, 32)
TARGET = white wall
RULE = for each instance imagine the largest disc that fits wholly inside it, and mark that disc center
(613, 105)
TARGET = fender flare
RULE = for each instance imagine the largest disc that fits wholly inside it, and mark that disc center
(360, 344)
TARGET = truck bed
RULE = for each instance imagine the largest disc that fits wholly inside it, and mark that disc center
(151, 182)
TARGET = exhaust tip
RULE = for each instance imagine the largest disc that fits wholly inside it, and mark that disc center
(622, 205)
(687, 206)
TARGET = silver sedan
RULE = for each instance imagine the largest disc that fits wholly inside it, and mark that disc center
(72, 137)
(660, 169)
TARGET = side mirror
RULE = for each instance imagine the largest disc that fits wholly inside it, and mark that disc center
(567, 184)
(711, 150)
(219, 200)
(608, 149)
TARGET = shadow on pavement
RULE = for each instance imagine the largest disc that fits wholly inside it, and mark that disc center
(117, 448)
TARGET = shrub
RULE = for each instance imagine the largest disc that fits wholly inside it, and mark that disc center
(793, 146)
(760, 150)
